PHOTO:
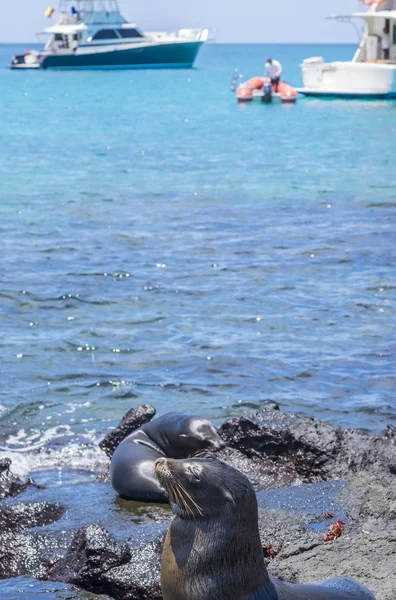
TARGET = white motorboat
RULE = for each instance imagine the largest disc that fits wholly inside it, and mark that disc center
(92, 34)
(370, 74)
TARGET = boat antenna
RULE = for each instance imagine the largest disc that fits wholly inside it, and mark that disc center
(348, 20)
(91, 5)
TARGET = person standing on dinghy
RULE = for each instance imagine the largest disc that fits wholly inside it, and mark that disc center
(273, 70)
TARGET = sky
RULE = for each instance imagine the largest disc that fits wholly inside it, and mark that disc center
(255, 21)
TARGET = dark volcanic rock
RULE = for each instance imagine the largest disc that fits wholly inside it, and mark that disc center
(274, 449)
(368, 558)
(16, 517)
(97, 562)
(9, 484)
(139, 579)
(93, 552)
(133, 419)
(370, 502)
(282, 448)
(390, 433)
(366, 550)
(29, 554)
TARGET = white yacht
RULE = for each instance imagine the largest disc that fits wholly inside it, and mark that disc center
(371, 73)
(92, 34)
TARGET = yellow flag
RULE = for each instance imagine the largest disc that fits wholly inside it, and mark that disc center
(49, 12)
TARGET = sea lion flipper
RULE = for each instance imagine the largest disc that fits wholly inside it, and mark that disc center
(346, 585)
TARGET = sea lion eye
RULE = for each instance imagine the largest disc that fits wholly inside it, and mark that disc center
(195, 472)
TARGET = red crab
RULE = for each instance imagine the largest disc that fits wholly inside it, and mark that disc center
(270, 551)
(334, 531)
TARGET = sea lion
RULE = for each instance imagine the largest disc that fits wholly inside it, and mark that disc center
(212, 550)
(176, 435)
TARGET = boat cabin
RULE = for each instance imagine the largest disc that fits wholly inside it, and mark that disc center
(92, 34)
(89, 23)
(380, 17)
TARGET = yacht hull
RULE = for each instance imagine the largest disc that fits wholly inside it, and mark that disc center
(155, 56)
(349, 80)
(344, 95)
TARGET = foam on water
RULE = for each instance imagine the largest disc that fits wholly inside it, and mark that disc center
(35, 451)
(70, 457)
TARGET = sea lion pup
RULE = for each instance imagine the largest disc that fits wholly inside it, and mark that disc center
(212, 550)
(175, 434)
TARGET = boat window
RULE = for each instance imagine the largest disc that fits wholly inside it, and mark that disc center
(394, 34)
(105, 34)
(129, 33)
(58, 37)
(77, 37)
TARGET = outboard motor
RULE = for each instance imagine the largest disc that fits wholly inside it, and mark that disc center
(267, 93)
(18, 59)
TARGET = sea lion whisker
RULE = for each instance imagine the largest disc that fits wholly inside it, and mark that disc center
(185, 501)
(187, 507)
(173, 493)
(199, 509)
(180, 498)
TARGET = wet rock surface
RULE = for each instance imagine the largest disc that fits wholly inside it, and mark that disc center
(280, 449)
(368, 558)
(371, 502)
(16, 517)
(81, 534)
(133, 419)
(390, 433)
(10, 485)
(365, 551)
(30, 554)
(92, 553)
(97, 562)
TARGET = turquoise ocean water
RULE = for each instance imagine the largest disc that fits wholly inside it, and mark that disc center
(161, 244)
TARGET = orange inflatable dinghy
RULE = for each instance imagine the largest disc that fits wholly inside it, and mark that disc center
(260, 88)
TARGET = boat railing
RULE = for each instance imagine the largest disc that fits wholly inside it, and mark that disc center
(66, 19)
(361, 48)
(189, 35)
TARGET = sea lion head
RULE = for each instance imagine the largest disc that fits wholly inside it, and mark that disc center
(183, 435)
(205, 488)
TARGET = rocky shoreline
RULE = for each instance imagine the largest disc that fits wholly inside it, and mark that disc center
(346, 473)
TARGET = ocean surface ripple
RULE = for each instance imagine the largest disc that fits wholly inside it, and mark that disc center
(161, 244)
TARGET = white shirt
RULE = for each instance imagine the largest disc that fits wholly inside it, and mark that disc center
(273, 70)
(385, 41)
